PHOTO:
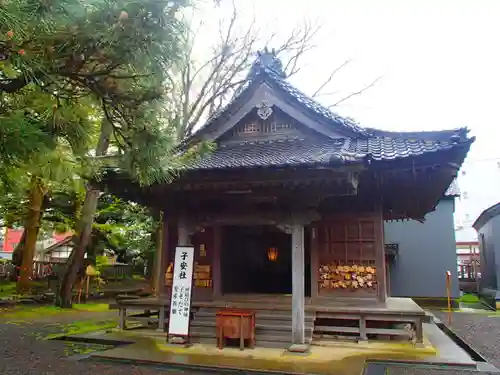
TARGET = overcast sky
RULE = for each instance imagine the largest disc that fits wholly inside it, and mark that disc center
(439, 61)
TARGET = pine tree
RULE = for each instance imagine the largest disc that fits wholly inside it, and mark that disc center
(115, 55)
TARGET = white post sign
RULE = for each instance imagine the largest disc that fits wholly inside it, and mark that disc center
(180, 302)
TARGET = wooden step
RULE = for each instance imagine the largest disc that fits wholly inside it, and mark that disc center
(275, 310)
(258, 326)
(273, 328)
(266, 314)
(259, 316)
(273, 322)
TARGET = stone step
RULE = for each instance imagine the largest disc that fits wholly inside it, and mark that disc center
(262, 343)
(210, 331)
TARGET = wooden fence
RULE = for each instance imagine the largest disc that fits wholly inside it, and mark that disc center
(44, 270)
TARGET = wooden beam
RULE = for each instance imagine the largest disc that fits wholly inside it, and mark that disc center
(165, 261)
(314, 250)
(298, 299)
(254, 217)
(216, 262)
(380, 254)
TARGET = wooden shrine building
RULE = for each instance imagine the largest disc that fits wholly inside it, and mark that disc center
(286, 213)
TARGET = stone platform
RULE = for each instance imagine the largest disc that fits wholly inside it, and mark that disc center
(346, 358)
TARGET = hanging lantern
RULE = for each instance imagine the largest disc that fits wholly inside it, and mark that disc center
(272, 254)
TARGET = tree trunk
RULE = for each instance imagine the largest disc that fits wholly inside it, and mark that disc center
(76, 260)
(31, 233)
(17, 254)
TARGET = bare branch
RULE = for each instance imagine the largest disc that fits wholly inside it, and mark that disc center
(201, 88)
(329, 79)
(299, 42)
(359, 92)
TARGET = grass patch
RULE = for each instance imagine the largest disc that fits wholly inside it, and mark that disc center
(469, 298)
(7, 290)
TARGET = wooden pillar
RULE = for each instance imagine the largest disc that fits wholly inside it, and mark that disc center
(380, 257)
(388, 276)
(298, 298)
(216, 263)
(163, 261)
(161, 257)
(314, 262)
(183, 234)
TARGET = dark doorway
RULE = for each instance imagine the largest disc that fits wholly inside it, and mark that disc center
(246, 267)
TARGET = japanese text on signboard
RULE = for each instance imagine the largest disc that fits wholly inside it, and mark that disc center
(180, 304)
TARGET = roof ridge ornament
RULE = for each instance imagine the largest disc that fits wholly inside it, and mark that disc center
(267, 59)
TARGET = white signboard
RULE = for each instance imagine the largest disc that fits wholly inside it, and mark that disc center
(180, 302)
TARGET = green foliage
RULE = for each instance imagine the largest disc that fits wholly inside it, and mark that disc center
(82, 87)
(112, 54)
(119, 226)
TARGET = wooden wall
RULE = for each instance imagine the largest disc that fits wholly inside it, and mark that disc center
(203, 242)
(347, 258)
(346, 249)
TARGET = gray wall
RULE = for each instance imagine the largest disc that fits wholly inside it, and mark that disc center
(489, 242)
(426, 251)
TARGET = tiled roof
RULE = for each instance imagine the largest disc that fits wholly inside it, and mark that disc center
(261, 73)
(359, 142)
(264, 74)
(311, 104)
(304, 152)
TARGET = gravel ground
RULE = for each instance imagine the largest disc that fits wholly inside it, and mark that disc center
(479, 331)
(22, 353)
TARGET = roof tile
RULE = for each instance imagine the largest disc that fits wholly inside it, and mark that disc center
(303, 152)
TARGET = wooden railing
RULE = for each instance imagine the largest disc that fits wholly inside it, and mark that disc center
(467, 272)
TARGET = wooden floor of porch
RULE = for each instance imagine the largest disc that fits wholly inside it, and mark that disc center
(318, 304)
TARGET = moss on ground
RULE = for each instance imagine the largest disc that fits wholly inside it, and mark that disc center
(8, 289)
(25, 313)
(81, 327)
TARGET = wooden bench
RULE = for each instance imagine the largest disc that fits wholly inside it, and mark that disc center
(142, 304)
